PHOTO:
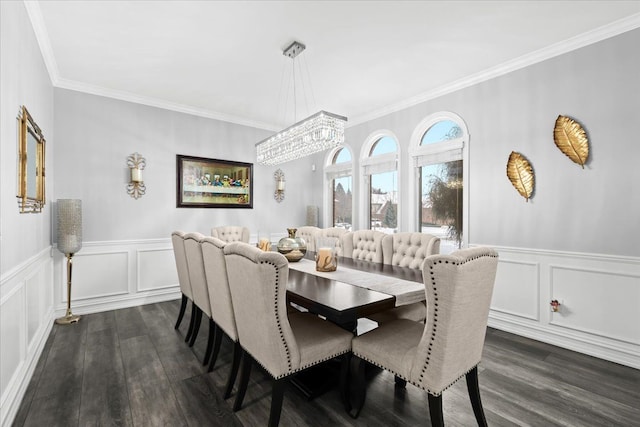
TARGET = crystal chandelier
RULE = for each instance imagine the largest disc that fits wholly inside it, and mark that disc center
(316, 133)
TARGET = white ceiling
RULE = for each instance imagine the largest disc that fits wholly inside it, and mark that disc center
(223, 59)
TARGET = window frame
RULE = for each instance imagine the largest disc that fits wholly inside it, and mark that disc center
(379, 163)
(332, 171)
(435, 153)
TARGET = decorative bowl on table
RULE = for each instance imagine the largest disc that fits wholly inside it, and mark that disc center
(292, 247)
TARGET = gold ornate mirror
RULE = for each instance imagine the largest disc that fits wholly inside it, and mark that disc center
(31, 150)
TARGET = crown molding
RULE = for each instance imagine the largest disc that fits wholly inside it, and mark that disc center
(42, 36)
(160, 103)
(37, 22)
(601, 33)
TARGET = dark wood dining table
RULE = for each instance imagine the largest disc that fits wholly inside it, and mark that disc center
(344, 303)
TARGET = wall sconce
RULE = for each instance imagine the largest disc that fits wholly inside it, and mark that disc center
(136, 164)
(279, 194)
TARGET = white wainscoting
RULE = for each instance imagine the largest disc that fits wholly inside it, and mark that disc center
(599, 294)
(106, 276)
(26, 318)
(599, 315)
(118, 274)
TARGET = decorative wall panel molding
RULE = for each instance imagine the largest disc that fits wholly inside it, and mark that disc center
(599, 296)
(156, 269)
(97, 274)
(519, 297)
(117, 274)
(26, 319)
(612, 295)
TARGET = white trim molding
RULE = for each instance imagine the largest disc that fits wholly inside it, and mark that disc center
(574, 43)
(121, 284)
(445, 151)
(368, 165)
(25, 326)
(599, 296)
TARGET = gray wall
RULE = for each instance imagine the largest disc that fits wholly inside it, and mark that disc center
(96, 134)
(26, 290)
(595, 210)
(23, 81)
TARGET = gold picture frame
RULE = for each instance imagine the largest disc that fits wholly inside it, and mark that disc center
(31, 164)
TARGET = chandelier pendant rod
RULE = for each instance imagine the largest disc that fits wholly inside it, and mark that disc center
(316, 133)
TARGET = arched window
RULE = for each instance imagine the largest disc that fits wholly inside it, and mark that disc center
(339, 174)
(380, 178)
(437, 151)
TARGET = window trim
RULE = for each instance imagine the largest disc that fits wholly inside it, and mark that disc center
(369, 162)
(438, 152)
(332, 171)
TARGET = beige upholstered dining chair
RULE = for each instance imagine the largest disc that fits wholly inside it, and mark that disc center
(215, 270)
(335, 233)
(407, 250)
(177, 240)
(231, 233)
(365, 245)
(434, 355)
(309, 233)
(195, 263)
(281, 344)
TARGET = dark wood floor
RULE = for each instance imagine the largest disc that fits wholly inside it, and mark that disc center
(130, 367)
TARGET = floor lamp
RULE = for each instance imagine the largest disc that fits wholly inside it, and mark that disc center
(69, 242)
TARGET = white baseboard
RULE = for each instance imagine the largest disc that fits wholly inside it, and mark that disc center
(98, 305)
(611, 350)
(598, 294)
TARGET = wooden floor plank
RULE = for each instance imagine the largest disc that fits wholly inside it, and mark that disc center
(63, 368)
(29, 394)
(100, 321)
(202, 403)
(129, 323)
(131, 367)
(105, 399)
(55, 410)
(152, 400)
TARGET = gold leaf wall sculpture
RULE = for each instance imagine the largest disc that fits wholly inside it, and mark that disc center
(571, 139)
(520, 173)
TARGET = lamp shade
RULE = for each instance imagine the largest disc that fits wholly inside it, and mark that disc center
(69, 225)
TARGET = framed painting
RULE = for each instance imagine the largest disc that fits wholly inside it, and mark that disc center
(213, 183)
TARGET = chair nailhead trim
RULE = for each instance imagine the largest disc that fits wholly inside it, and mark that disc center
(435, 312)
(433, 336)
(302, 368)
(419, 385)
(275, 310)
